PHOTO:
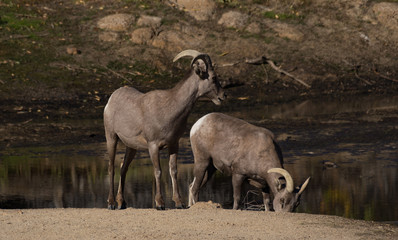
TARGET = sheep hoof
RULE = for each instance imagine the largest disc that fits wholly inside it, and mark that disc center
(180, 206)
(160, 208)
(122, 206)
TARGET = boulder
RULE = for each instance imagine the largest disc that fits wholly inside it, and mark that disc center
(201, 10)
(234, 19)
(285, 30)
(109, 36)
(175, 41)
(254, 28)
(116, 22)
(141, 35)
(387, 14)
(149, 21)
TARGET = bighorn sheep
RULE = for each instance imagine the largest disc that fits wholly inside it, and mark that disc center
(244, 151)
(156, 120)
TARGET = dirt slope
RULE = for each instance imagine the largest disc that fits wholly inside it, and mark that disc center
(66, 50)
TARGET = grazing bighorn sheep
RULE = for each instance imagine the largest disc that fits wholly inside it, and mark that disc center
(155, 120)
(244, 151)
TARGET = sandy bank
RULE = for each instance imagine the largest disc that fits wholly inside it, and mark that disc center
(203, 221)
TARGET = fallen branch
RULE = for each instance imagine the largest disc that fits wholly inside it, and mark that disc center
(118, 74)
(26, 16)
(383, 76)
(27, 121)
(13, 37)
(70, 67)
(230, 64)
(252, 205)
(266, 74)
(357, 76)
(263, 60)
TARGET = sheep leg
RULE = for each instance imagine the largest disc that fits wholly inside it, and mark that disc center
(199, 172)
(173, 151)
(237, 180)
(111, 143)
(266, 200)
(154, 154)
(128, 157)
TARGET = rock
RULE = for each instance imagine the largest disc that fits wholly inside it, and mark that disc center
(149, 21)
(109, 36)
(175, 41)
(234, 19)
(285, 30)
(153, 56)
(387, 14)
(116, 22)
(355, 9)
(72, 50)
(200, 206)
(329, 164)
(141, 35)
(201, 10)
(254, 28)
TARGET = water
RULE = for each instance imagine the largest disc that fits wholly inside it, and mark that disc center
(360, 181)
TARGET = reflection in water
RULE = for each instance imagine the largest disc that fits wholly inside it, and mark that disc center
(51, 177)
(320, 109)
(363, 185)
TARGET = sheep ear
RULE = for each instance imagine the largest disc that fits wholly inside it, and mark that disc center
(200, 68)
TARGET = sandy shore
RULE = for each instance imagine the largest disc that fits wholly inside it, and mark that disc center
(202, 221)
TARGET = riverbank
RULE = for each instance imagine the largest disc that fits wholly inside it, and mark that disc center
(202, 221)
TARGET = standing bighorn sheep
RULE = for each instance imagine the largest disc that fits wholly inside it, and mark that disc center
(155, 120)
(244, 151)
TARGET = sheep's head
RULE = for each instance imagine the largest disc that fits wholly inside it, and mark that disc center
(287, 198)
(202, 67)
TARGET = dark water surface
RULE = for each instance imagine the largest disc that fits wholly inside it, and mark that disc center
(348, 147)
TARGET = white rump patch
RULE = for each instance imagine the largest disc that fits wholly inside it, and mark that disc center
(106, 106)
(197, 125)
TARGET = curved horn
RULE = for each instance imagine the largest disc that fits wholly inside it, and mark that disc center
(302, 188)
(196, 55)
(286, 175)
(185, 53)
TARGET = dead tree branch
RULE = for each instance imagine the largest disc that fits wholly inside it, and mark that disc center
(263, 60)
(230, 64)
(117, 74)
(252, 204)
(383, 76)
(357, 75)
(17, 36)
